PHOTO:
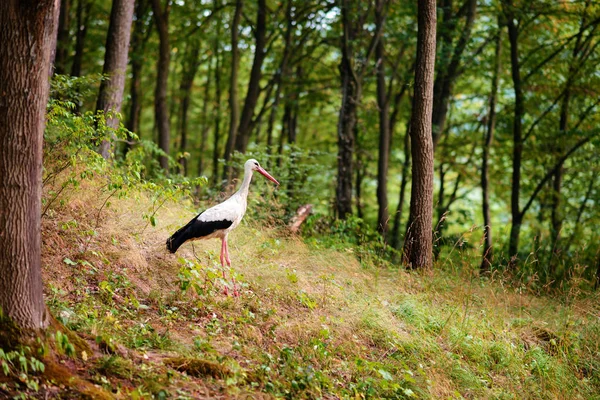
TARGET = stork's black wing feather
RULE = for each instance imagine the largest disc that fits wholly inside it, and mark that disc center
(195, 229)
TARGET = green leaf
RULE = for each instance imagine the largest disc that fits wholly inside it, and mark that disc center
(68, 261)
(385, 375)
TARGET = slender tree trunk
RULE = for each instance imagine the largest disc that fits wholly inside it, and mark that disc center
(418, 244)
(217, 130)
(449, 71)
(519, 111)
(115, 67)
(161, 110)
(245, 127)
(84, 8)
(139, 38)
(347, 118)
(185, 88)
(205, 122)
(63, 41)
(384, 126)
(28, 34)
(234, 108)
(403, 183)
(487, 257)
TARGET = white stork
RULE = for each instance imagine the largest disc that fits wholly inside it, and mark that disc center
(218, 221)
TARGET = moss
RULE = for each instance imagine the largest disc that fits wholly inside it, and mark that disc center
(79, 343)
(197, 367)
(76, 387)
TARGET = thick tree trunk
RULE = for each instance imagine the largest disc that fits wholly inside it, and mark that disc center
(519, 111)
(488, 254)
(245, 127)
(161, 110)
(418, 244)
(27, 33)
(115, 66)
(234, 108)
(84, 8)
(63, 41)
(384, 126)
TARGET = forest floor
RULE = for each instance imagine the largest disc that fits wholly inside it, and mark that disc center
(311, 322)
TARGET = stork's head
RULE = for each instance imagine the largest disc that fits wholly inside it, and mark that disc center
(253, 165)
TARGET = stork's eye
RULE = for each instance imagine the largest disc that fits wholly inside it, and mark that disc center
(256, 164)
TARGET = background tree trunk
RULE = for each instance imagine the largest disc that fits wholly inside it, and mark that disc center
(488, 254)
(63, 40)
(245, 127)
(234, 108)
(185, 87)
(217, 131)
(161, 17)
(27, 33)
(115, 66)
(384, 125)
(418, 243)
(519, 110)
(84, 8)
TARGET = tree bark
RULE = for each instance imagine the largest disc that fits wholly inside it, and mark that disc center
(205, 121)
(384, 126)
(217, 130)
(519, 111)
(245, 127)
(487, 257)
(63, 42)
(418, 244)
(115, 67)
(27, 33)
(161, 110)
(234, 108)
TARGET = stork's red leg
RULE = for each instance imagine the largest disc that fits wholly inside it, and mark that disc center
(223, 254)
(235, 288)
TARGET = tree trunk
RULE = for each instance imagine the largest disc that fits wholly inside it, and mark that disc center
(27, 33)
(234, 108)
(217, 131)
(205, 122)
(84, 8)
(115, 67)
(447, 73)
(161, 110)
(138, 41)
(519, 111)
(245, 127)
(403, 183)
(185, 88)
(488, 255)
(384, 126)
(418, 244)
(63, 41)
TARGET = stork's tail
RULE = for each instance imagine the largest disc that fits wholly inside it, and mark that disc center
(182, 235)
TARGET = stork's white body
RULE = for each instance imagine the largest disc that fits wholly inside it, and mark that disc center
(218, 221)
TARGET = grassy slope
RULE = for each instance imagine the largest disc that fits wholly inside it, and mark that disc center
(311, 322)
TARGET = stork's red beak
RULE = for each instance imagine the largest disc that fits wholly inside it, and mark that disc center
(267, 175)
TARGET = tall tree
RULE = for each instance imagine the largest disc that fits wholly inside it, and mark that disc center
(161, 110)
(63, 40)
(84, 11)
(27, 33)
(142, 27)
(352, 69)
(115, 66)
(260, 31)
(450, 60)
(191, 64)
(418, 243)
(234, 108)
(384, 124)
(488, 253)
(217, 130)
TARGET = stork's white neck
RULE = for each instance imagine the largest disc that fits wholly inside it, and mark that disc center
(243, 190)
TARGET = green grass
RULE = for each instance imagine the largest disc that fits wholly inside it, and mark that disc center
(312, 322)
